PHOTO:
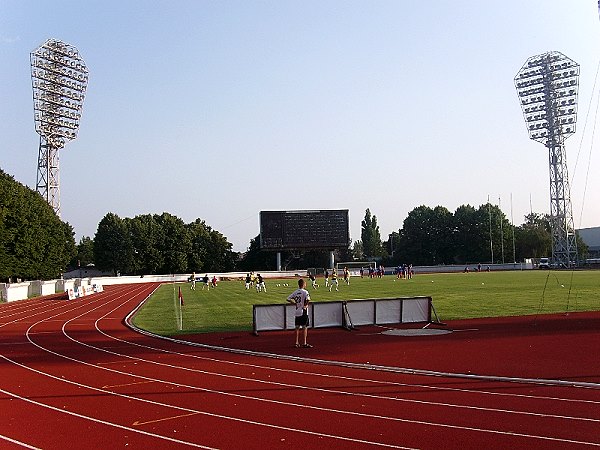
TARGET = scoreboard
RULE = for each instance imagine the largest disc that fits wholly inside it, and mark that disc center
(294, 230)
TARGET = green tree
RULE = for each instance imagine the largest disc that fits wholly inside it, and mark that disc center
(210, 250)
(112, 244)
(84, 253)
(426, 237)
(470, 235)
(160, 244)
(370, 237)
(34, 242)
(145, 233)
(358, 251)
(533, 239)
(255, 258)
(501, 233)
(173, 242)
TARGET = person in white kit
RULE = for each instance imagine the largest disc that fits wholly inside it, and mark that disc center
(301, 298)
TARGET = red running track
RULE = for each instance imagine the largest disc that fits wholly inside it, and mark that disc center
(74, 375)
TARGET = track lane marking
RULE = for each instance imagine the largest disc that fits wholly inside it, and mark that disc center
(177, 408)
(124, 361)
(104, 422)
(22, 444)
(138, 423)
(108, 386)
(451, 426)
(317, 374)
(430, 403)
(329, 391)
(499, 432)
(237, 419)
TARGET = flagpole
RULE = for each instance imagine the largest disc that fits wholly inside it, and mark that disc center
(490, 217)
(512, 222)
(175, 300)
(180, 309)
(501, 230)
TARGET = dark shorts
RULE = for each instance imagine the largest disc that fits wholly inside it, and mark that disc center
(302, 321)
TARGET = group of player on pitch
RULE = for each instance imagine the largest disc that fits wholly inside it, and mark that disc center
(331, 280)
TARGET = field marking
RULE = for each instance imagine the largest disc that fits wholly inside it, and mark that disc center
(264, 424)
(392, 369)
(103, 422)
(179, 408)
(108, 386)
(22, 444)
(299, 359)
(320, 408)
(128, 322)
(29, 316)
(101, 363)
(138, 423)
(333, 391)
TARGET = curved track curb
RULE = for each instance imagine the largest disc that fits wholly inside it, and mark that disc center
(404, 370)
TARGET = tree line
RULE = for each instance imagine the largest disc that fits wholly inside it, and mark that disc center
(36, 244)
(433, 236)
(160, 244)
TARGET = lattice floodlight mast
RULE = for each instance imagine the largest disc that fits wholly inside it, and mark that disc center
(59, 77)
(547, 86)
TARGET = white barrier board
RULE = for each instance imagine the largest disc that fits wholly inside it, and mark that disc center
(331, 314)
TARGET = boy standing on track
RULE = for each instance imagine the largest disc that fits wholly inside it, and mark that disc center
(301, 298)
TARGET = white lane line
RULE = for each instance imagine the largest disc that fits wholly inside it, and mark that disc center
(329, 391)
(316, 374)
(175, 407)
(301, 406)
(298, 405)
(22, 444)
(29, 315)
(103, 422)
(179, 408)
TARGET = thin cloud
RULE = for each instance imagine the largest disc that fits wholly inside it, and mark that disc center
(9, 40)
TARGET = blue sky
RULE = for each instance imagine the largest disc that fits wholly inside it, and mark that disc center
(221, 109)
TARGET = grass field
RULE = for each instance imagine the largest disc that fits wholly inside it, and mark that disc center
(455, 296)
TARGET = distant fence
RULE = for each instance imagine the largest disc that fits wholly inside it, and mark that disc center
(20, 291)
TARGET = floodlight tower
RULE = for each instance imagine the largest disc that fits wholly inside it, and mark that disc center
(547, 86)
(59, 77)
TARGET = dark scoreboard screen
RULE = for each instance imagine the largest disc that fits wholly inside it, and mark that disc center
(289, 230)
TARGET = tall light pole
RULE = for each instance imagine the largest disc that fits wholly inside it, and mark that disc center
(59, 78)
(547, 86)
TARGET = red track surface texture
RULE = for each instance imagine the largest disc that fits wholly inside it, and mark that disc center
(74, 375)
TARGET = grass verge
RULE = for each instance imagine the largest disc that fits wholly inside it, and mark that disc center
(455, 296)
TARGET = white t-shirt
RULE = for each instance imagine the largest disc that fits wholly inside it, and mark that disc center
(301, 297)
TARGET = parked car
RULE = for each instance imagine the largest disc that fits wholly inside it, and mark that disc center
(544, 263)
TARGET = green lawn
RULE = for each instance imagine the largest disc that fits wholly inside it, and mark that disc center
(455, 296)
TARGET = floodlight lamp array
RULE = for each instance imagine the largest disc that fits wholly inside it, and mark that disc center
(547, 86)
(59, 77)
